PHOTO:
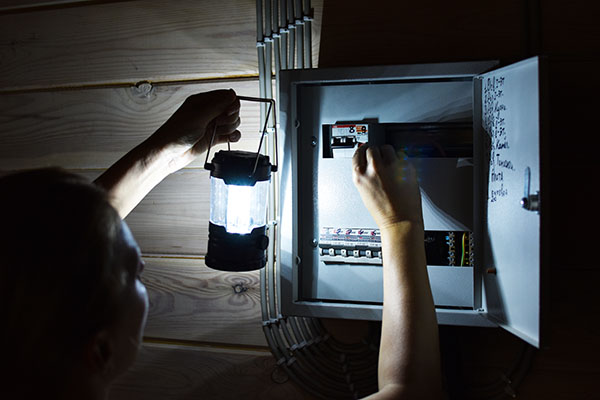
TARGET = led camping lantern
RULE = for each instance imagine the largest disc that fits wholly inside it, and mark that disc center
(239, 189)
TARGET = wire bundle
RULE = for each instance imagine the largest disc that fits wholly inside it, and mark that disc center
(305, 352)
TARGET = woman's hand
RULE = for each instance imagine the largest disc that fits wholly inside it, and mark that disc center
(388, 186)
(188, 132)
(174, 145)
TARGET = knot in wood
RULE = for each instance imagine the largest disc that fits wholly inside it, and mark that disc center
(239, 288)
(143, 89)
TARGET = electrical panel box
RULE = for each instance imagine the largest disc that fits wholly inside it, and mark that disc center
(473, 134)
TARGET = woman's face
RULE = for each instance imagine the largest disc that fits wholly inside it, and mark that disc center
(129, 327)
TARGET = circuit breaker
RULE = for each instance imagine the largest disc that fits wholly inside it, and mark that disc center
(473, 134)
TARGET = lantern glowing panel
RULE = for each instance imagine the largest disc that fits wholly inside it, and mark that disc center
(238, 208)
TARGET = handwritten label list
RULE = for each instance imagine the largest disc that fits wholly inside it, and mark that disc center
(494, 123)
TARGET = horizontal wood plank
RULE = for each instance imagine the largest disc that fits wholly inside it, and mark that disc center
(128, 42)
(93, 128)
(165, 372)
(14, 5)
(131, 41)
(173, 218)
(191, 302)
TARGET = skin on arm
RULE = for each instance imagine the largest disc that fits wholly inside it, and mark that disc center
(409, 359)
(174, 145)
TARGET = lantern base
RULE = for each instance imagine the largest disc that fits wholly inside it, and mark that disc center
(236, 252)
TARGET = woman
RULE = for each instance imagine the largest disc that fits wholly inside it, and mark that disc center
(75, 307)
(70, 268)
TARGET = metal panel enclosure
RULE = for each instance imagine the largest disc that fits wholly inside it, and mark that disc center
(328, 261)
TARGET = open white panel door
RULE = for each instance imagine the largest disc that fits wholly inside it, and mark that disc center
(507, 118)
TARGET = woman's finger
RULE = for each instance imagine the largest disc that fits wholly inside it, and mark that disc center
(374, 157)
(388, 154)
(229, 137)
(226, 119)
(226, 129)
(359, 160)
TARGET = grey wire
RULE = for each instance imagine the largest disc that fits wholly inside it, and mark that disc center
(268, 30)
(301, 347)
(300, 44)
(259, 22)
(292, 34)
(284, 48)
(308, 43)
(260, 48)
(292, 46)
(282, 13)
(299, 23)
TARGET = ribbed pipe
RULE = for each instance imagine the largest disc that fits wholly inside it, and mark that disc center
(318, 363)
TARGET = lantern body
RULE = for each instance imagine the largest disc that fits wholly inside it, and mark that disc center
(238, 208)
(237, 237)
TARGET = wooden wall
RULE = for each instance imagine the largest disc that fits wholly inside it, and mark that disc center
(84, 81)
(74, 92)
(400, 32)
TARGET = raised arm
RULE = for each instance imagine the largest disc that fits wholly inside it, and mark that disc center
(174, 145)
(409, 360)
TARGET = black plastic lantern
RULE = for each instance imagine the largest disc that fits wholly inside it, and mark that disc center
(240, 181)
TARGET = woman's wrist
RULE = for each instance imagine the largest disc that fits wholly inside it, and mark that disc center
(401, 227)
(162, 157)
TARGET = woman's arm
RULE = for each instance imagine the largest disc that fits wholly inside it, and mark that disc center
(409, 360)
(174, 145)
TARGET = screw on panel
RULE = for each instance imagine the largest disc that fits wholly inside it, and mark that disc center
(314, 242)
(296, 124)
(313, 141)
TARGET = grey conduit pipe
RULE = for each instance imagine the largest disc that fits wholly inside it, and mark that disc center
(299, 33)
(283, 30)
(276, 39)
(292, 34)
(260, 48)
(303, 350)
(307, 17)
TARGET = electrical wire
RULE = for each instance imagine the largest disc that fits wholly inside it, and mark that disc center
(462, 257)
(505, 386)
(304, 351)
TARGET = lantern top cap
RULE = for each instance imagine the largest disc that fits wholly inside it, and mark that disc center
(242, 168)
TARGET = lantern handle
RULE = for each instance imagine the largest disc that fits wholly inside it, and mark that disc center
(207, 165)
(264, 130)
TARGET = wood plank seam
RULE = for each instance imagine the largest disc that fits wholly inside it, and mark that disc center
(32, 6)
(206, 345)
(124, 85)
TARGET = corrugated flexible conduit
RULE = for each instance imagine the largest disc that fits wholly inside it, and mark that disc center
(303, 350)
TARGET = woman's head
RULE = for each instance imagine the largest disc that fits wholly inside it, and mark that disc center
(68, 280)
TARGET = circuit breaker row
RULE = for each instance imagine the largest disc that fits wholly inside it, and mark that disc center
(369, 253)
(363, 246)
(350, 245)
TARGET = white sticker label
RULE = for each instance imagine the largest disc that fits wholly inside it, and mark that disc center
(361, 132)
